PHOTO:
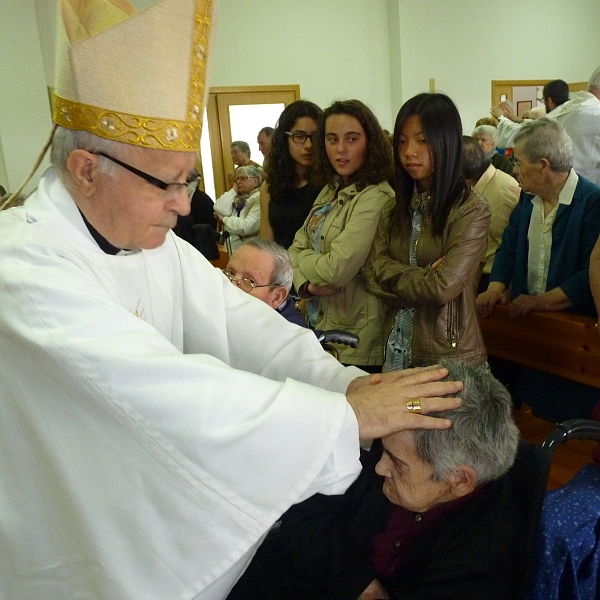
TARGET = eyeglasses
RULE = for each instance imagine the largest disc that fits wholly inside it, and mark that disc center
(299, 137)
(159, 183)
(245, 284)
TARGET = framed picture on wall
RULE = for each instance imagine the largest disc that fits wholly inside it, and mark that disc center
(523, 106)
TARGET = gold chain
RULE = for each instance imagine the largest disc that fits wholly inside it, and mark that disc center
(546, 229)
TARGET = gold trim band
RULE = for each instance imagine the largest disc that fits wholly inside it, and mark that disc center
(148, 132)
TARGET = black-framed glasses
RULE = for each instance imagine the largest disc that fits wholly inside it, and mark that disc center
(245, 284)
(299, 137)
(159, 183)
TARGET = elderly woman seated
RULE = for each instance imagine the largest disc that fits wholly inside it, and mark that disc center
(240, 213)
(434, 514)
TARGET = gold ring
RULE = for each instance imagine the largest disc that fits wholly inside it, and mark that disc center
(414, 405)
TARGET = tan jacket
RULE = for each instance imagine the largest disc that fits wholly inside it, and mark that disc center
(346, 239)
(445, 324)
(502, 192)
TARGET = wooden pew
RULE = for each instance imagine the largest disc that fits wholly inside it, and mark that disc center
(553, 341)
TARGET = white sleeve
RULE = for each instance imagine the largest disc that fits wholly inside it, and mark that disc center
(224, 203)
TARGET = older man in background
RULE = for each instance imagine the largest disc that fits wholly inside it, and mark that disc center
(580, 118)
(263, 269)
(500, 190)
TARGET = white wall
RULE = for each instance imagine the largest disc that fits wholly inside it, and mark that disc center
(25, 120)
(464, 44)
(335, 49)
(380, 51)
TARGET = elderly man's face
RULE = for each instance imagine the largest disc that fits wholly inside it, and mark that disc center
(241, 159)
(264, 143)
(256, 265)
(134, 214)
(530, 175)
(408, 481)
(486, 142)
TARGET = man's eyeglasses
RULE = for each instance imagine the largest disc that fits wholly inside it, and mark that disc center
(159, 183)
(245, 284)
(299, 137)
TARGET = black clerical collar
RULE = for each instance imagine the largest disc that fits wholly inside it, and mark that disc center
(104, 244)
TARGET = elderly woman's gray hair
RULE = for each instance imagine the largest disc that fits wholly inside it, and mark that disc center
(243, 146)
(283, 271)
(486, 130)
(594, 82)
(545, 138)
(250, 171)
(483, 435)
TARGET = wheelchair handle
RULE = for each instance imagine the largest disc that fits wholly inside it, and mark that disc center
(336, 336)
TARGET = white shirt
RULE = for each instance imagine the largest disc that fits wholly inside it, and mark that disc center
(540, 243)
(580, 117)
(156, 420)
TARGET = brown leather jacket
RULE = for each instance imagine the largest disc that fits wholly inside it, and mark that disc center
(445, 323)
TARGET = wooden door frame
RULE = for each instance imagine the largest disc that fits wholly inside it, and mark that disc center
(505, 86)
(218, 125)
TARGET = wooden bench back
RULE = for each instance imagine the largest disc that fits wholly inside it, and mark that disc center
(555, 342)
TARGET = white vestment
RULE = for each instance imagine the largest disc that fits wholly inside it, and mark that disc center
(155, 419)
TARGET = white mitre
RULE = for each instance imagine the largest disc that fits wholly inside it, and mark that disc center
(132, 77)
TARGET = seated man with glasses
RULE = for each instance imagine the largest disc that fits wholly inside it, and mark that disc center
(264, 270)
(241, 219)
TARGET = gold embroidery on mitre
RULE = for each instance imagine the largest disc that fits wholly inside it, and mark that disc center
(149, 132)
(199, 61)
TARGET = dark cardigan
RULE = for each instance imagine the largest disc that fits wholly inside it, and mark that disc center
(574, 233)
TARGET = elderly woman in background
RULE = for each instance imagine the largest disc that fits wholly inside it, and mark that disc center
(353, 159)
(486, 135)
(434, 514)
(241, 220)
(545, 253)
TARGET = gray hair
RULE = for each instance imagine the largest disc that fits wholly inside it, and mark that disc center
(483, 435)
(250, 171)
(545, 138)
(66, 141)
(486, 130)
(243, 146)
(283, 271)
(594, 82)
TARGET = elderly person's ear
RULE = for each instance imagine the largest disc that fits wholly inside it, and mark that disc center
(462, 481)
(82, 167)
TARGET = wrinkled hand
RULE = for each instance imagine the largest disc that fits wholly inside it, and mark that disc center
(218, 216)
(374, 591)
(523, 304)
(377, 378)
(323, 290)
(487, 300)
(380, 408)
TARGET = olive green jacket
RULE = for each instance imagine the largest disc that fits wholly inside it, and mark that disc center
(445, 323)
(346, 239)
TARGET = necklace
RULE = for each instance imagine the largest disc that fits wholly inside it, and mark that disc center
(547, 228)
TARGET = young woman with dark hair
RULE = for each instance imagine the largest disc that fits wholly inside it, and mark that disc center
(428, 251)
(287, 195)
(352, 158)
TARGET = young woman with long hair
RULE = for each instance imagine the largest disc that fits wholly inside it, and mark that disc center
(287, 195)
(352, 159)
(428, 251)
